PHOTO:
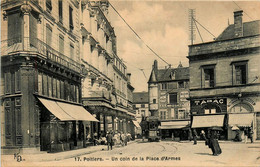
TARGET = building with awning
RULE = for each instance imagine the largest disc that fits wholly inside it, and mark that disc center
(207, 121)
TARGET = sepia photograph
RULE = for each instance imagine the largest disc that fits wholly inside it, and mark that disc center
(130, 83)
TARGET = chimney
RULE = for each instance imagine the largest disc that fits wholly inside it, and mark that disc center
(155, 65)
(129, 77)
(238, 23)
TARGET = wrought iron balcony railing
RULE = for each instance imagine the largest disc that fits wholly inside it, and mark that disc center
(12, 46)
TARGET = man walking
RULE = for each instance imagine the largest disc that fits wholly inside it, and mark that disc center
(195, 136)
(250, 134)
(109, 140)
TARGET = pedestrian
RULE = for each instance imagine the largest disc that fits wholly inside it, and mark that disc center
(195, 135)
(109, 140)
(203, 136)
(245, 135)
(250, 134)
(126, 139)
(237, 137)
(189, 134)
(214, 145)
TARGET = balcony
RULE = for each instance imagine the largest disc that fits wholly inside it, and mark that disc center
(34, 45)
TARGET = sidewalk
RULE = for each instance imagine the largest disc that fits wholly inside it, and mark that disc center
(43, 157)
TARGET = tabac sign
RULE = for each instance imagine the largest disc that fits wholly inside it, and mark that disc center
(198, 105)
(205, 101)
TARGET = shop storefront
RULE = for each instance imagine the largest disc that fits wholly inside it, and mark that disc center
(174, 130)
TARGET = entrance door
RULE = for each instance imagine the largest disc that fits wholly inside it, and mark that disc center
(45, 136)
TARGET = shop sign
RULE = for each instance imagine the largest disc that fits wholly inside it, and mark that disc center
(217, 101)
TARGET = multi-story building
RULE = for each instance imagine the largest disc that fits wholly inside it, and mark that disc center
(168, 91)
(141, 105)
(41, 76)
(224, 80)
(105, 84)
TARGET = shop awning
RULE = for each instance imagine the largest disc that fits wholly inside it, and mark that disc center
(136, 124)
(66, 111)
(208, 121)
(173, 125)
(240, 120)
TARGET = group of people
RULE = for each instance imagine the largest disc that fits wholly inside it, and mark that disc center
(248, 133)
(117, 139)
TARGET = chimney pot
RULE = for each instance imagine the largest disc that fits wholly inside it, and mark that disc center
(238, 23)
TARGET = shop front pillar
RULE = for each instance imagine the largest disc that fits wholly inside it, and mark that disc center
(113, 123)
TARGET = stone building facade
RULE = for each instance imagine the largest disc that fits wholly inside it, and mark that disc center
(168, 90)
(224, 80)
(105, 83)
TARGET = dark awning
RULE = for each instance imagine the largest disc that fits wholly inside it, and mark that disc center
(66, 111)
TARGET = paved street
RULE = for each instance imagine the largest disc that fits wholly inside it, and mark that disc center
(164, 153)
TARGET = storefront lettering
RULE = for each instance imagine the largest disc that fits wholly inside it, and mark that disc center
(201, 102)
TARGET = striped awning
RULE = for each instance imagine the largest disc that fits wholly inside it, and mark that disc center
(174, 125)
(67, 111)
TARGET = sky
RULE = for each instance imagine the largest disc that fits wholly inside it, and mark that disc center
(164, 27)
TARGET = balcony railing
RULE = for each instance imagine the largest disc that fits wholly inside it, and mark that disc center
(33, 45)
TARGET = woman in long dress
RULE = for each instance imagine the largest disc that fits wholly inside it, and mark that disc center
(213, 144)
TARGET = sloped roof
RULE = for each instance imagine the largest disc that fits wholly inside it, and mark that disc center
(140, 97)
(153, 76)
(171, 74)
(249, 29)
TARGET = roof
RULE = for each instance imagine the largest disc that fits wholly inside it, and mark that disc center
(249, 29)
(171, 74)
(140, 97)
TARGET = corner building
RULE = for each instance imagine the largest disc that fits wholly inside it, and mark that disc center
(41, 77)
(224, 80)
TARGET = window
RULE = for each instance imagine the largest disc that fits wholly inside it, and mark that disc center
(72, 51)
(240, 74)
(14, 29)
(163, 114)
(154, 101)
(7, 83)
(48, 34)
(173, 98)
(17, 81)
(48, 5)
(209, 77)
(181, 84)
(71, 18)
(50, 86)
(172, 85)
(211, 109)
(60, 12)
(142, 105)
(33, 29)
(40, 83)
(61, 44)
(164, 86)
(45, 84)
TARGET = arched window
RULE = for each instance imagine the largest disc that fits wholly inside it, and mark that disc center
(241, 108)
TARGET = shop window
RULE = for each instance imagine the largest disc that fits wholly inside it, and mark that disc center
(71, 18)
(173, 98)
(211, 109)
(241, 108)
(48, 5)
(14, 29)
(164, 86)
(60, 12)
